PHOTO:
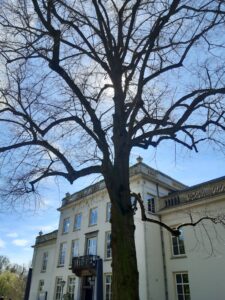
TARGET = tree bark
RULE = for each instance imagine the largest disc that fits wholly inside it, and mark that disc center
(125, 283)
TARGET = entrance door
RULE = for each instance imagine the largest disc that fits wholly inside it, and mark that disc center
(88, 288)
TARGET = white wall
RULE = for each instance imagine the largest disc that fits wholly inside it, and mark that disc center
(205, 252)
(37, 274)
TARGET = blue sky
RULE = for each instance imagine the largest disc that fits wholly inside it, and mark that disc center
(18, 229)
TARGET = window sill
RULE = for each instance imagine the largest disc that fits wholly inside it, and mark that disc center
(60, 266)
(108, 259)
(63, 233)
(91, 225)
(43, 271)
(178, 256)
(76, 229)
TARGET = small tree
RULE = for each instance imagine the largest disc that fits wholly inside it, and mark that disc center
(83, 82)
(12, 280)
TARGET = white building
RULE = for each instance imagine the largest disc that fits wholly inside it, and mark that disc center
(189, 267)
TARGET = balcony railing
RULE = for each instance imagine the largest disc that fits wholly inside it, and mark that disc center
(85, 265)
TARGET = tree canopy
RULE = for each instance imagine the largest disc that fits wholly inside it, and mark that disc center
(83, 82)
(81, 73)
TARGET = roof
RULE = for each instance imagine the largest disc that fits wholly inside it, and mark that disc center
(139, 168)
(44, 238)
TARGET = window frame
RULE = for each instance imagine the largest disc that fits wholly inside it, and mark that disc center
(71, 295)
(110, 286)
(44, 262)
(58, 280)
(107, 244)
(108, 211)
(62, 253)
(41, 285)
(182, 284)
(151, 204)
(72, 247)
(66, 225)
(88, 238)
(75, 228)
(90, 216)
(178, 242)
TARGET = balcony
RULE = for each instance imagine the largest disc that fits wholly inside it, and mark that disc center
(85, 265)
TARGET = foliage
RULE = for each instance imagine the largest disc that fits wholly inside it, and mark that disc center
(12, 280)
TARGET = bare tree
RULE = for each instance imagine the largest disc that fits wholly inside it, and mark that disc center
(83, 82)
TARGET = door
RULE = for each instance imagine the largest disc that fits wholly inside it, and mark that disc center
(88, 288)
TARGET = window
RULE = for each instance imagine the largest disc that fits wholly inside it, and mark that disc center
(151, 204)
(178, 244)
(71, 287)
(75, 249)
(66, 225)
(108, 287)
(93, 216)
(41, 286)
(77, 221)
(58, 288)
(62, 254)
(44, 262)
(108, 248)
(108, 212)
(182, 285)
(91, 246)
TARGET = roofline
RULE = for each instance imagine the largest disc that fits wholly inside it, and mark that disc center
(45, 238)
(100, 185)
(193, 187)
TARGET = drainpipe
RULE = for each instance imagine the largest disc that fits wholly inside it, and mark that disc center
(164, 263)
(146, 252)
(146, 268)
(163, 253)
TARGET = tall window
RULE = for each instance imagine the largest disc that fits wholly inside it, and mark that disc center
(93, 216)
(41, 286)
(108, 212)
(92, 246)
(108, 287)
(75, 249)
(66, 225)
(71, 287)
(77, 221)
(62, 254)
(44, 262)
(182, 285)
(58, 288)
(108, 248)
(151, 204)
(178, 244)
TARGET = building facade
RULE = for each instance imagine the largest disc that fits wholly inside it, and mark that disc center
(74, 261)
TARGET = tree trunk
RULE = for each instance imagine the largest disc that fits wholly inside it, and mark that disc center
(125, 283)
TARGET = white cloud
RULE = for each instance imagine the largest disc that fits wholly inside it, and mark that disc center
(2, 244)
(12, 234)
(20, 242)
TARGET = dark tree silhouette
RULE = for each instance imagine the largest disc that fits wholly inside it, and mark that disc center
(83, 82)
